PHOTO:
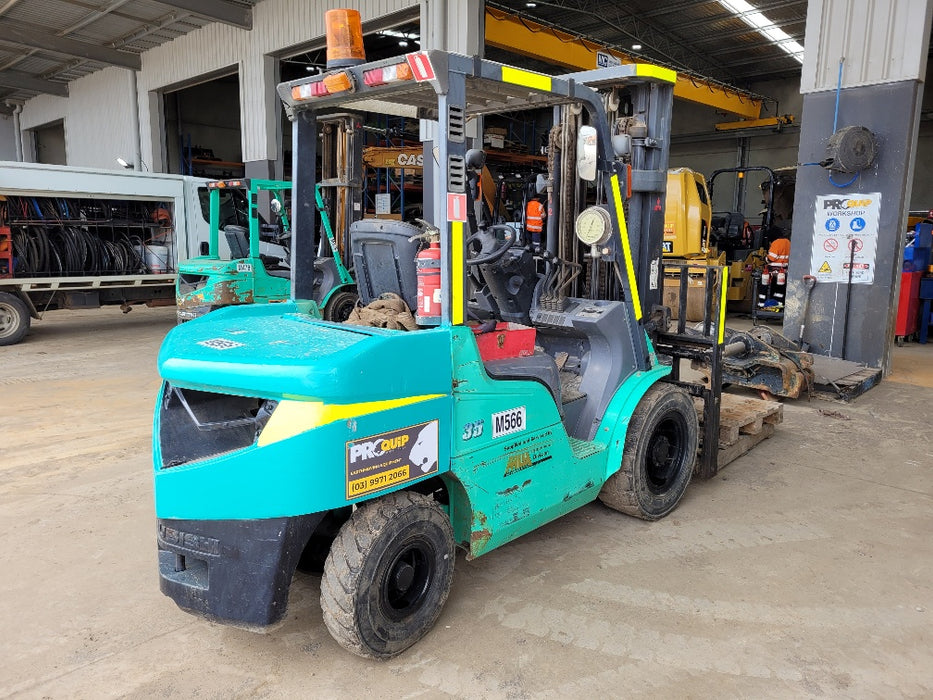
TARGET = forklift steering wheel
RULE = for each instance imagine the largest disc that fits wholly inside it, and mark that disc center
(491, 249)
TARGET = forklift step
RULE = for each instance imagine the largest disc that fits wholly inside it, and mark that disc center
(583, 448)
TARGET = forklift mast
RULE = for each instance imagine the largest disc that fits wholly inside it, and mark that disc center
(645, 118)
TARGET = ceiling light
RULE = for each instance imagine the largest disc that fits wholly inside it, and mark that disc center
(748, 14)
(403, 43)
(123, 164)
(531, 4)
(636, 47)
(398, 34)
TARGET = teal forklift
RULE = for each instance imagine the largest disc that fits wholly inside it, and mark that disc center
(534, 384)
(248, 275)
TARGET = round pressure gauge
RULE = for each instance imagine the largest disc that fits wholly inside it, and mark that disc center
(593, 226)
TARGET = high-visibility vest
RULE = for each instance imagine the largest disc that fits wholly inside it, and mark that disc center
(779, 252)
(534, 216)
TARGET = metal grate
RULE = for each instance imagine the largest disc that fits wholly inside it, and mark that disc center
(456, 125)
(456, 174)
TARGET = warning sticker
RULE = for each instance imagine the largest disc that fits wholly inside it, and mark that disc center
(845, 231)
(379, 461)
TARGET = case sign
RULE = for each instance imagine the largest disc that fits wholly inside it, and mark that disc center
(388, 459)
(845, 232)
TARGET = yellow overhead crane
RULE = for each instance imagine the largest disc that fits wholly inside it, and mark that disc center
(528, 38)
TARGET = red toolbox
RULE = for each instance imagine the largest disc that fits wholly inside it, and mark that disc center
(507, 340)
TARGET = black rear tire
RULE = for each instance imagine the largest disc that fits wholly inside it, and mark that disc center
(659, 455)
(14, 319)
(388, 575)
(339, 306)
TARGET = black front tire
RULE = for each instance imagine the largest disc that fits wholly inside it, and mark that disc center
(658, 457)
(14, 319)
(388, 575)
(339, 306)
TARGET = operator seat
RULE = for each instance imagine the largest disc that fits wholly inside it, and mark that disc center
(237, 240)
(384, 259)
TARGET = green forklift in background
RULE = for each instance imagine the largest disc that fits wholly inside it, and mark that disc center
(535, 383)
(210, 281)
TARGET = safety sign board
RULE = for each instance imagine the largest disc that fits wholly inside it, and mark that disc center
(380, 461)
(845, 235)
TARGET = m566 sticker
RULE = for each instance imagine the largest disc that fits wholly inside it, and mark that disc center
(508, 422)
(388, 459)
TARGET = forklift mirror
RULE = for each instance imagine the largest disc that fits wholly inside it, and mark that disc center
(276, 207)
(586, 153)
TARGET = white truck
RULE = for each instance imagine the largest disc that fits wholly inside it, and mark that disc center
(82, 238)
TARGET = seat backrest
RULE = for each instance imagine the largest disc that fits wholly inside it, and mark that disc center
(237, 240)
(384, 259)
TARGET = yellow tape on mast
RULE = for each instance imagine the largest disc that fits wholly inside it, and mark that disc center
(626, 246)
(722, 304)
(457, 273)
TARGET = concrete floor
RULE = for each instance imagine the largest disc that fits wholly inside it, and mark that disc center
(804, 569)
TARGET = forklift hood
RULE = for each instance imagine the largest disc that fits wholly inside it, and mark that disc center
(274, 352)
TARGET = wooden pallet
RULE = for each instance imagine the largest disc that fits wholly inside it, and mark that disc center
(743, 423)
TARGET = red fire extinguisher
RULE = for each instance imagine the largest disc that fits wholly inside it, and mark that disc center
(428, 263)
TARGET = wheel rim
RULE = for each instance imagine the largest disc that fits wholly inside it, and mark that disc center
(407, 580)
(665, 453)
(6, 320)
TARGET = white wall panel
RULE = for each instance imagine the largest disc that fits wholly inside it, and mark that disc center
(881, 41)
(96, 116)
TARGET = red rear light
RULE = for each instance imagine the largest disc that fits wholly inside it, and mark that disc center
(388, 74)
(306, 91)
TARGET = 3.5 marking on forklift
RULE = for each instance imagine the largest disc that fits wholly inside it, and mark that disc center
(508, 422)
(387, 459)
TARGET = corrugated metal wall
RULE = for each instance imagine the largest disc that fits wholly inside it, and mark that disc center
(98, 127)
(97, 114)
(881, 41)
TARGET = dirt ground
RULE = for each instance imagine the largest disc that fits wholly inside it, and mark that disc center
(805, 569)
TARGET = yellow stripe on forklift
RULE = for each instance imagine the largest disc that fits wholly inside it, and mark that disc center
(722, 304)
(526, 78)
(649, 70)
(292, 418)
(457, 273)
(626, 246)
